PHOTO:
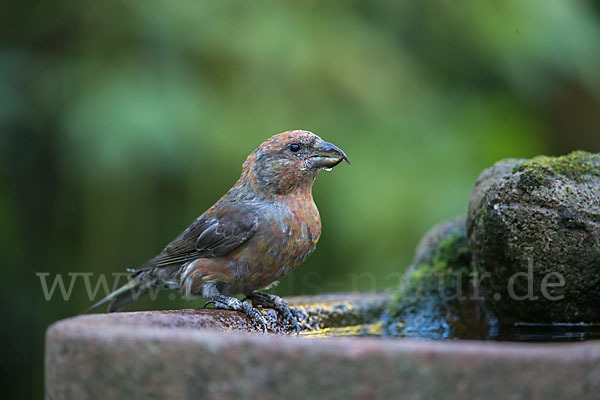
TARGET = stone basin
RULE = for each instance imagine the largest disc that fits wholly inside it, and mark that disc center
(209, 354)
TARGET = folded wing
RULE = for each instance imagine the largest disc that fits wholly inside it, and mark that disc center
(214, 234)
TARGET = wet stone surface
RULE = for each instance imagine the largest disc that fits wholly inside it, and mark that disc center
(436, 299)
(323, 312)
(523, 265)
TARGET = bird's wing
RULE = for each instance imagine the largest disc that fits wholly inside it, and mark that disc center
(214, 234)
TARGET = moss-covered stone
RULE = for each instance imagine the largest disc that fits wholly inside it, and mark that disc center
(579, 166)
(536, 221)
(435, 299)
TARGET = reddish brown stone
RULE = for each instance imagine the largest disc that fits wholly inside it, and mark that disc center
(172, 355)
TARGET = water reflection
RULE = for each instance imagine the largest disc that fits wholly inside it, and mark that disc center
(519, 332)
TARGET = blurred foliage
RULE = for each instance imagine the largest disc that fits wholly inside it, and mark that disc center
(121, 121)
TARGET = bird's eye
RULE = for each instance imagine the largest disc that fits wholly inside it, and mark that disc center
(294, 147)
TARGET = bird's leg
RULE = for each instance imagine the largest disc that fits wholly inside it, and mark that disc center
(291, 315)
(231, 303)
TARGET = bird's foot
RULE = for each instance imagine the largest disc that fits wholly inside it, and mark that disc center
(292, 315)
(231, 303)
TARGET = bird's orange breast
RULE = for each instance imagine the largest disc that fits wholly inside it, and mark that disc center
(288, 232)
(306, 219)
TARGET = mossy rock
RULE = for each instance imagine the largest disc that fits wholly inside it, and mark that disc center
(435, 299)
(535, 221)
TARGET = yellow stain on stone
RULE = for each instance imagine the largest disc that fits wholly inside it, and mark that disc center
(325, 306)
(354, 330)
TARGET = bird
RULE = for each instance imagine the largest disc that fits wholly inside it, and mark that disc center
(261, 229)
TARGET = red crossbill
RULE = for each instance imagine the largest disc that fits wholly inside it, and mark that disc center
(262, 228)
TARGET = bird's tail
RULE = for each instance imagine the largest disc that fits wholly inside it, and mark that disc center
(137, 286)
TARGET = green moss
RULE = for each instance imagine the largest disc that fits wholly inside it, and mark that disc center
(532, 179)
(435, 298)
(450, 263)
(453, 251)
(579, 166)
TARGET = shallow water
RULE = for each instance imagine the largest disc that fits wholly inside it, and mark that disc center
(527, 332)
(520, 332)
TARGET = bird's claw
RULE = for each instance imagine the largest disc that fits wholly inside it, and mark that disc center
(209, 302)
(290, 315)
(293, 316)
(256, 316)
(231, 303)
(291, 319)
(300, 315)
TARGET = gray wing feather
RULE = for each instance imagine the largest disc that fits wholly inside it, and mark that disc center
(229, 226)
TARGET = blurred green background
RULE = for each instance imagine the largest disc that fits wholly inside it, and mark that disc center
(121, 121)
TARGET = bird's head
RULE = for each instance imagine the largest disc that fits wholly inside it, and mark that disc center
(290, 161)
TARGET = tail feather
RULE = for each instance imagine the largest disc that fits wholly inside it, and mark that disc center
(132, 291)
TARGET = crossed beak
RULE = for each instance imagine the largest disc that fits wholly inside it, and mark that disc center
(327, 155)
